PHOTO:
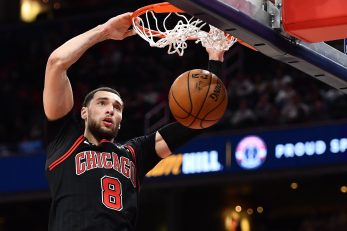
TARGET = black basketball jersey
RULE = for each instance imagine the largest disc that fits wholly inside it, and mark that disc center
(94, 187)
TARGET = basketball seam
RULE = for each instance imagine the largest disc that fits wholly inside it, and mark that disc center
(224, 97)
(189, 114)
(190, 97)
(197, 118)
(203, 119)
(209, 86)
(179, 107)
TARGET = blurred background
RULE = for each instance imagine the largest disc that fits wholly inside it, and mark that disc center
(208, 185)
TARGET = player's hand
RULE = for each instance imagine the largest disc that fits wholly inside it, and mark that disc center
(118, 27)
(214, 54)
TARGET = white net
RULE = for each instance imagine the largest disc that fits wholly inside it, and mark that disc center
(216, 39)
(176, 38)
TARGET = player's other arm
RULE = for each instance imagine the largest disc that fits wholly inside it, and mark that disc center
(215, 61)
(57, 93)
(173, 135)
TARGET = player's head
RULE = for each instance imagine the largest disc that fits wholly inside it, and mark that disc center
(102, 113)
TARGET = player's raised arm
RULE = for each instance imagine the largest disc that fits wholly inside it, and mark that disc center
(216, 55)
(216, 58)
(57, 94)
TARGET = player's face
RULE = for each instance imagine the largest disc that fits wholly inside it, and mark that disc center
(104, 115)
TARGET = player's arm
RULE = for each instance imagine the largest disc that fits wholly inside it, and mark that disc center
(57, 94)
(215, 61)
(173, 135)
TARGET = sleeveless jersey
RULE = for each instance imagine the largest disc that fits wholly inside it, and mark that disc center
(94, 187)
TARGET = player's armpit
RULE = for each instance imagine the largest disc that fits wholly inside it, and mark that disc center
(172, 136)
(161, 146)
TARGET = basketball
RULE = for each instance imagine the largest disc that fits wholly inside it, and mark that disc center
(198, 99)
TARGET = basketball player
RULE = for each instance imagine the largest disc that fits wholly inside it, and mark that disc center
(95, 181)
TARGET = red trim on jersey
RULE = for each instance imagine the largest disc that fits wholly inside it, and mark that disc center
(66, 154)
(104, 141)
(132, 151)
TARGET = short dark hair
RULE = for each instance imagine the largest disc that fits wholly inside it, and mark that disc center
(91, 94)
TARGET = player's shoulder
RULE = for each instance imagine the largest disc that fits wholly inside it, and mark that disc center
(62, 125)
(134, 143)
(126, 148)
(140, 144)
(140, 140)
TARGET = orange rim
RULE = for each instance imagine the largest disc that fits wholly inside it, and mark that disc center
(246, 44)
(166, 7)
(163, 7)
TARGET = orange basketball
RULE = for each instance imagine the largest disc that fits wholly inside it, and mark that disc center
(198, 99)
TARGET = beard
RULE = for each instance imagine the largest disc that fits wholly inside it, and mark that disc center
(101, 133)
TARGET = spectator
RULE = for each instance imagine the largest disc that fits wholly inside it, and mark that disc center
(243, 116)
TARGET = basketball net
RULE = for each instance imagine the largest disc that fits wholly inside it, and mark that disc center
(176, 38)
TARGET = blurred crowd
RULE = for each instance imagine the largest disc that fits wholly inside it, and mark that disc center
(280, 95)
(262, 92)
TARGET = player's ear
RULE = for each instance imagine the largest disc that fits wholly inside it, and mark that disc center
(84, 113)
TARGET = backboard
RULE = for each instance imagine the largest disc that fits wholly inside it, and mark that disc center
(258, 23)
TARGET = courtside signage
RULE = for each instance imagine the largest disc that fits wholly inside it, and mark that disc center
(303, 147)
(311, 148)
(251, 152)
(188, 163)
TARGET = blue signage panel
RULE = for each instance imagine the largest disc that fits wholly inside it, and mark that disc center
(277, 149)
(23, 174)
(310, 146)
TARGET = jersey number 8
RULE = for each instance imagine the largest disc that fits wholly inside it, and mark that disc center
(111, 193)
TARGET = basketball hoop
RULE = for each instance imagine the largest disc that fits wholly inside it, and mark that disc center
(184, 29)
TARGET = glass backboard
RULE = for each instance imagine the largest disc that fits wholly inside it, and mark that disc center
(258, 23)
